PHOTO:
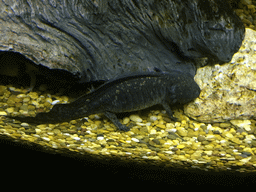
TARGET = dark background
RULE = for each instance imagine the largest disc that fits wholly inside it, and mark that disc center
(29, 164)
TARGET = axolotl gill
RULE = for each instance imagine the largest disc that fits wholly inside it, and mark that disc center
(127, 93)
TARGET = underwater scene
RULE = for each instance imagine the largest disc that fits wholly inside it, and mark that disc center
(159, 83)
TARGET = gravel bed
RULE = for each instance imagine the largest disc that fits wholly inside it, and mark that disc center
(153, 139)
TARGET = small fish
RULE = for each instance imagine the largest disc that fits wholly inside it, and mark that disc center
(127, 93)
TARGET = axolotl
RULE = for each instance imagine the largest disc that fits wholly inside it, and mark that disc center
(127, 93)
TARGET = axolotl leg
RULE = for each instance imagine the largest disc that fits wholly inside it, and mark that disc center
(168, 111)
(112, 117)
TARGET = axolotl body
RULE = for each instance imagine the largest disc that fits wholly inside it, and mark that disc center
(127, 93)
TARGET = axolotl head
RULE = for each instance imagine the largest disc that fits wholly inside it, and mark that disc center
(184, 90)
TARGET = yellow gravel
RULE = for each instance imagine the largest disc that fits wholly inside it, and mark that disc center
(153, 138)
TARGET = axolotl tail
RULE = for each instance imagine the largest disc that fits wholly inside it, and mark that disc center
(59, 113)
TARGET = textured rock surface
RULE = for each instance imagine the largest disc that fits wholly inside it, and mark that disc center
(97, 40)
(228, 90)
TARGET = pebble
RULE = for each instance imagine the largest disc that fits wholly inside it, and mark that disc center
(141, 124)
(135, 118)
(246, 153)
(126, 120)
(49, 100)
(135, 140)
(161, 126)
(98, 138)
(25, 100)
(10, 110)
(55, 102)
(46, 138)
(24, 124)
(153, 118)
(170, 126)
(235, 140)
(35, 103)
(246, 124)
(156, 141)
(201, 138)
(208, 152)
(152, 131)
(229, 135)
(181, 146)
(182, 131)
(24, 107)
(78, 138)
(97, 116)
(33, 95)
(225, 125)
(38, 131)
(3, 113)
